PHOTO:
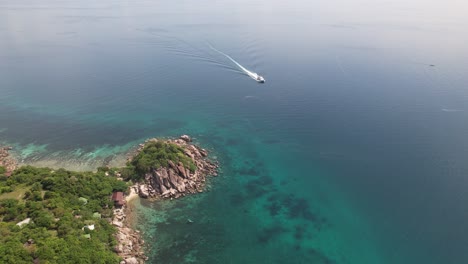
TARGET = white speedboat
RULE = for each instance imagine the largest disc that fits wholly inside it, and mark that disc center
(260, 79)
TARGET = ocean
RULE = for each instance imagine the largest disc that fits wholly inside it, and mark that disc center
(353, 151)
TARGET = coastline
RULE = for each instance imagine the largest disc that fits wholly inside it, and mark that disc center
(7, 161)
(132, 194)
(171, 182)
(129, 241)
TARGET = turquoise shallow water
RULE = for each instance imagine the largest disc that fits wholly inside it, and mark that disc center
(354, 150)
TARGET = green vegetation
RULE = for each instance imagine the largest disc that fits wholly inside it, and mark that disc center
(155, 155)
(51, 199)
(61, 204)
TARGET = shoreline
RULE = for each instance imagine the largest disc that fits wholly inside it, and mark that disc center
(7, 160)
(75, 159)
(132, 195)
(171, 182)
(129, 240)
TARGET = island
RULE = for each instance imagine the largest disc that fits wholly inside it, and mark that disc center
(61, 216)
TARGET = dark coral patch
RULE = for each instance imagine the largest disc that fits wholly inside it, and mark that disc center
(288, 201)
(274, 208)
(248, 171)
(255, 190)
(272, 198)
(259, 187)
(318, 257)
(232, 142)
(237, 199)
(267, 234)
(299, 208)
(265, 180)
(299, 232)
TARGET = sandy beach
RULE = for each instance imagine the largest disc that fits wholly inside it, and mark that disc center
(132, 194)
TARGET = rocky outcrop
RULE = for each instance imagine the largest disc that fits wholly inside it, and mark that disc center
(7, 161)
(186, 138)
(172, 181)
(175, 180)
(143, 191)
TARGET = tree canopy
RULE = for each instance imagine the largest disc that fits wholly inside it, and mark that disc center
(155, 155)
(55, 233)
(59, 204)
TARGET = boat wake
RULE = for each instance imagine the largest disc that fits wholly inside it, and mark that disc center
(179, 46)
(451, 110)
(252, 75)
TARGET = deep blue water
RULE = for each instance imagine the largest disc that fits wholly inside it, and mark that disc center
(353, 151)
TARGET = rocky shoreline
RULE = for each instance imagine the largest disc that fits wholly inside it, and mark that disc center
(171, 182)
(163, 183)
(7, 161)
(177, 181)
(129, 242)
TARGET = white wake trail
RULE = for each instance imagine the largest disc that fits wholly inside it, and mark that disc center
(252, 75)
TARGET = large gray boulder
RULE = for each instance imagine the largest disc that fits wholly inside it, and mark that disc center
(143, 191)
(131, 260)
(186, 138)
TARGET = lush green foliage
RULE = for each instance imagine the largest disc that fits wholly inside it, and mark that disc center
(155, 155)
(52, 200)
(61, 203)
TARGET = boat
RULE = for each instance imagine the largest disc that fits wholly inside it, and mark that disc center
(260, 79)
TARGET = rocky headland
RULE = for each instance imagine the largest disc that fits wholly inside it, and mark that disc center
(160, 169)
(176, 179)
(172, 180)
